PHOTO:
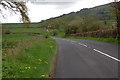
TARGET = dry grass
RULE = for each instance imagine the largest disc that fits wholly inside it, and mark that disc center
(22, 44)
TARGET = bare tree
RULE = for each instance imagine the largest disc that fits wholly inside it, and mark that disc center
(16, 7)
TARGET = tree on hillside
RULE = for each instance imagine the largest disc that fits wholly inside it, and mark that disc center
(74, 26)
(91, 23)
(19, 7)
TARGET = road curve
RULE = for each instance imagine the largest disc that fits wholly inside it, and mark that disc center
(86, 59)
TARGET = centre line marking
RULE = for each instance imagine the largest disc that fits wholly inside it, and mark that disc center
(83, 44)
(107, 55)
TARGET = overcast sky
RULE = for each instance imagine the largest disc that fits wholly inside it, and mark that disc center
(43, 10)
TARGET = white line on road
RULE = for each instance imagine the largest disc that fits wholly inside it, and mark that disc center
(97, 51)
(83, 44)
(80, 43)
(107, 55)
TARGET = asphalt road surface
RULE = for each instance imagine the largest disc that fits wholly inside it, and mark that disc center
(86, 59)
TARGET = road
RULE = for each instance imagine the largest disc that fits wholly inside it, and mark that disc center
(86, 59)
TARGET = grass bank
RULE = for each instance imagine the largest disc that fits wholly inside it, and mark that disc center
(33, 62)
(26, 54)
(107, 40)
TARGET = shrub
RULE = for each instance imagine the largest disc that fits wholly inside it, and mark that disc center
(54, 32)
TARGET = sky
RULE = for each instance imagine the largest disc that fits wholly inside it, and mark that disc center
(45, 9)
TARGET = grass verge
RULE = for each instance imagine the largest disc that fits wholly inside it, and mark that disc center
(33, 62)
(107, 40)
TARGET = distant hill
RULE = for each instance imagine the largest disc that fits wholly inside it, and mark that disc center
(102, 13)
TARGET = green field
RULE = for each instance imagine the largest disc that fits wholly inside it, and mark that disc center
(16, 25)
(28, 30)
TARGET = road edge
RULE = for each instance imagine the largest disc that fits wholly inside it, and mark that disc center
(54, 62)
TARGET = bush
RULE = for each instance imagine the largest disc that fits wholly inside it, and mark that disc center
(54, 33)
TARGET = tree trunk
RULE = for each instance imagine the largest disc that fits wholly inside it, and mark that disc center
(118, 19)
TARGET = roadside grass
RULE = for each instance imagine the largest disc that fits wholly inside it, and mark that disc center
(34, 62)
(107, 40)
(61, 33)
(27, 55)
(14, 37)
(11, 41)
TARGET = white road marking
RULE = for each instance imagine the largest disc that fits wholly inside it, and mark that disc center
(80, 43)
(107, 55)
(96, 51)
(83, 44)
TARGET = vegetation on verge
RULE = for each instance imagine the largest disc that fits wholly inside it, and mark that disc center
(33, 62)
(107, 40)
(26, 51)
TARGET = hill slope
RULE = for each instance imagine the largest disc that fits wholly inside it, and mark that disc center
(101, 13)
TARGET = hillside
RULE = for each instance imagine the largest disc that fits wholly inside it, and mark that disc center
(101, 13)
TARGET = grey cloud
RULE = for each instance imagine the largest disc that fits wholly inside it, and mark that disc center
(59, 5)
(52, 3)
